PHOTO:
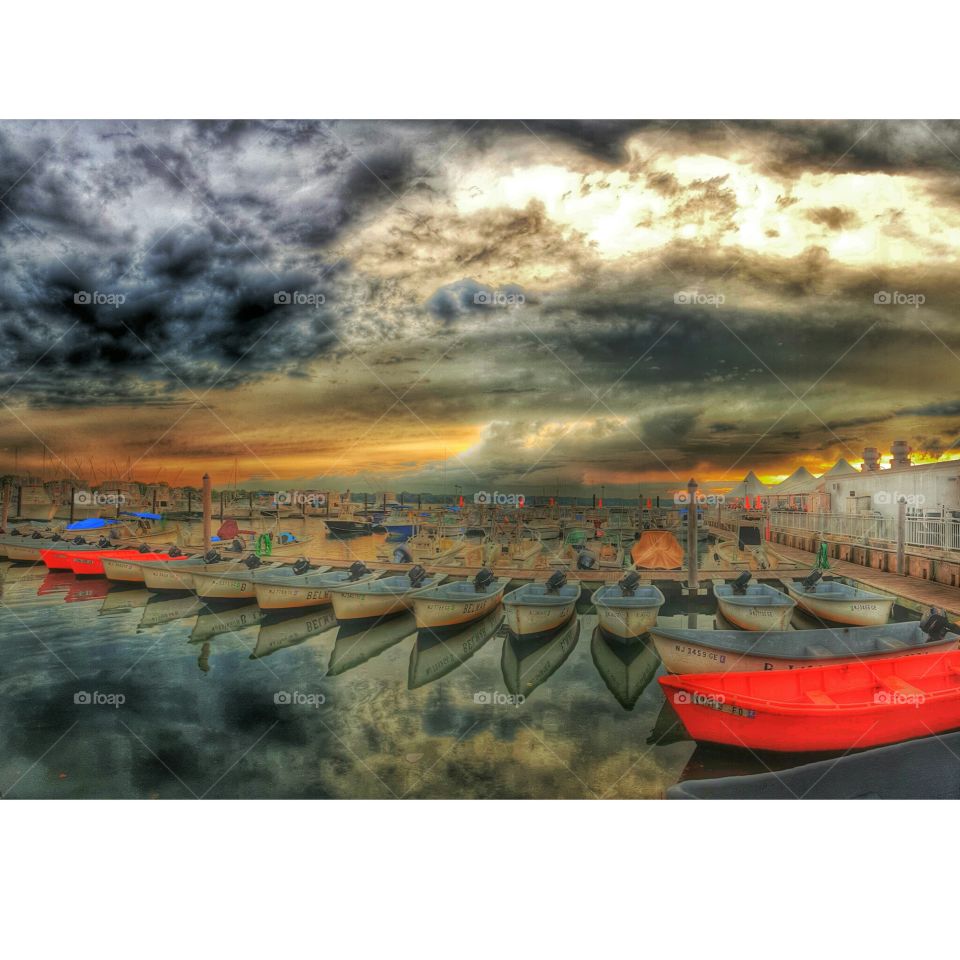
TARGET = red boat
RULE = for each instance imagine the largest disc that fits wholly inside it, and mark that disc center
(90, 562)
(840, 707)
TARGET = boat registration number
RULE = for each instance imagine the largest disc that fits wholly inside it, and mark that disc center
(700, 652)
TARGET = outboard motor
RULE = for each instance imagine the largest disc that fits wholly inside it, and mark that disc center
(808, 582)
(483, 580)
(78, 540)
(143, 548)
(301, 567)
(740, 584)
(402, 555)
(56, 538)
(417, 576)
(236, 546)
(103, 543)
(586, 560)
(557, 580)
(211, 556)
(174, 551)
(252, 562)
(357, 570)
(935, 625)
(36, 535)
(628, 585)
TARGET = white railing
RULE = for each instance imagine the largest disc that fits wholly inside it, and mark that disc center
(940, 533)
(935, 532)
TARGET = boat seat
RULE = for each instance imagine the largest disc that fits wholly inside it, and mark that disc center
(890, 643)
(818, 650)
(899, 685)
(820, 698)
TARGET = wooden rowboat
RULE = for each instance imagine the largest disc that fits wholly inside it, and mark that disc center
(842, 707)
(722, 651)
(917, 770)
(458, 602)
(657, 550)
(627, 609)
(538, 608)
(754, 606)
(381, 598)
(287, 588)
(236, 582)
(840, 603)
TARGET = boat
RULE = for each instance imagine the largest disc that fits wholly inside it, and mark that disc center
(657, 550)
(435, 654)
(627, 609)
(753, 606)
(846, 706)
(541, 607)
(290, 587)
(106, 533)
(239, 581)
(544, 528)
(840, 603)
(457, 602)
(16, 532)
(164, 575)
(381, 598)
(721, 651)
(529, 661)
(278, 634)
(359, 641)
(428, 545)
(121, 567)
(90, 563)
(626, 668)
(917, 770)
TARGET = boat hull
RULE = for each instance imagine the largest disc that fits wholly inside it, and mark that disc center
(528, 620)
(435, 613)
(223, 586)
(350, 605)
(853, 612)
(755, 616)
(168, 576)
(293, 596)
(627, 623)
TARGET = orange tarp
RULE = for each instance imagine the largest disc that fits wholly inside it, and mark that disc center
(657, 550)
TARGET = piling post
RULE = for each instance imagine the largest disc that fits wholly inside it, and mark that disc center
(901, 535)
(693, 583)
(73, 496)
(6, 506)
(207, 513)
(221, 507)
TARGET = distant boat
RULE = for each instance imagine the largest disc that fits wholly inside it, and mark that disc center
(541, 607)
(917, 770)
(458, 602)
(627, 609)
(626, 668)
(381, 598)
(529, 661)
(720, 651)
(434, 654)
(754, 606)
(657, 550)
(839, 707)
(840, 603)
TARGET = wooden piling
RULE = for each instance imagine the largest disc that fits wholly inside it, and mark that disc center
(207, 513)
(6, 506)
(901, 535)
(692, 562)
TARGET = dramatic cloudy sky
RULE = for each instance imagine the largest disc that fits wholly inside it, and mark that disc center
(491, 303)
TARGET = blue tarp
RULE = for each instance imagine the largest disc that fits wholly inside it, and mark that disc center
(93, 523)
(142, 516)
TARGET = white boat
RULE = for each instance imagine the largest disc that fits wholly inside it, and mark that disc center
(541, 607)
(840, 603)
(687, 651)
(627, 609)
(164, 575)
(753, 606)
(287, 588)
(529, 661)
(434, 655)
(458, 602)
(240, 581)
(383, 597)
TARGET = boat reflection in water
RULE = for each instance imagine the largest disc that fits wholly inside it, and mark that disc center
(437, 653)
(123, 601)
(165, 608)
(627, 667)
(278, 632)
(216, 621)
(529, 661)
(359, 642)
